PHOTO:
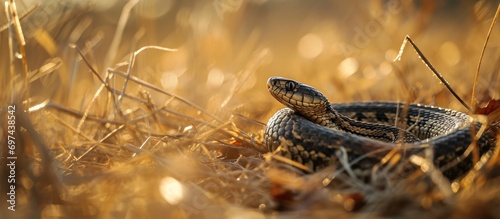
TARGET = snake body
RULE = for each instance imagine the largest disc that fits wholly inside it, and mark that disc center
(311, 130)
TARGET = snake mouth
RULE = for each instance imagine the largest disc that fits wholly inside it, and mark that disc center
(269, 83)
(278, 89)
(275, 88)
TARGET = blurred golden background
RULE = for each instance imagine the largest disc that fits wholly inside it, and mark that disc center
(110, 157)
(331, 45)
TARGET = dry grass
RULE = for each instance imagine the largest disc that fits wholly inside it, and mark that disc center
(108, 126)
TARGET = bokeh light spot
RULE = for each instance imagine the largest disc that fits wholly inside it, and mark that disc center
(170, 79)
(171, 190)
(310, 46)
(215, 77)
(390, 55)
(385, 68)
(348, 67)
(369, 72)
(449, 52)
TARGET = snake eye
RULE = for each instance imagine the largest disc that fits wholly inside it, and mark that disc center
(290, 86)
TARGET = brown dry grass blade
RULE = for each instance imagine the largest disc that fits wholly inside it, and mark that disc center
(431, 67)
(472, 100)
(24, 15)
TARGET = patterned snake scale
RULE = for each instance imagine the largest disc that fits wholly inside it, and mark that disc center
(311, 130)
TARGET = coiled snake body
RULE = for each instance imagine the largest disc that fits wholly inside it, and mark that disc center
(311, 130)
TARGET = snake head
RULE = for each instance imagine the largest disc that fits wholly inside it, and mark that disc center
(302, 98)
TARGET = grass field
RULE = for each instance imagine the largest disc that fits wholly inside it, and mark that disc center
(156, 109)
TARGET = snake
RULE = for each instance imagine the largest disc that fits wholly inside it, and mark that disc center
(313, 132)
